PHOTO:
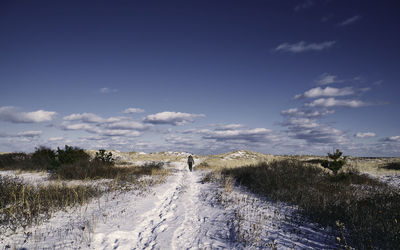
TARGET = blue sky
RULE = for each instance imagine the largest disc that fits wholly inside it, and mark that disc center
(280, 77)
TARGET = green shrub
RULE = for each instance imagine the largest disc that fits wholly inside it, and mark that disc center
(104, 157)
(369, 209)
(392, 166)
(44, 158)
(336, 163)
(15, 161)
(97, 169)
(70, 155)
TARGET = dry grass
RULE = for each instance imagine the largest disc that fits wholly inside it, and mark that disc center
(126, 158)
(22, 205)
(234, 160)
(368, 209)
(84, 170)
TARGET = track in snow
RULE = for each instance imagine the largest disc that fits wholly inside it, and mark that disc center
(172, 219)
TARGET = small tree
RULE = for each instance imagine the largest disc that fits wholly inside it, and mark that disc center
(45, 158)
(104, 157)
(71, 155)
(336, 163)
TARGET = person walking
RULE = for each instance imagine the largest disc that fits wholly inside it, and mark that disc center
(190, 162)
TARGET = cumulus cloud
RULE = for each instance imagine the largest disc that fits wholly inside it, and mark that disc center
(107, 90)
(171, 118)
(120, 132)
(304, 5)
(56, 138)
(302, 46)
(84, 117)
(11, 114)
(93, 118)
(229, 127)
(133, 110)
(395, 138)
(365, 134)
(332, 102)
(80, 126)
(250, 135)
(326, 92)
(313, 132)
(30, 133)
(24, 134)
(326, 79)
(182, 142)
(128, 125)
(350, 20)
(306, 113)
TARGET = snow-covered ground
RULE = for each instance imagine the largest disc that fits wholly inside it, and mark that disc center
(181, 213)
(43, 178)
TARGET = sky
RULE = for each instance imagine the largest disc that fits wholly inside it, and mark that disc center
(206, 77)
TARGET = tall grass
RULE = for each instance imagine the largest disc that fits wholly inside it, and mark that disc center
(13, 161)
(368, 209)
(22, 205)
(96, 169)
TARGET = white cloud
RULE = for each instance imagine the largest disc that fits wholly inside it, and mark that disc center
(306, 113)
(395, 138)
(133, 110)
(326, 92)
(326, 79)
(56, 138)
(250, 135)
(24, 134)
(130, 125)
(171, 118)
(313, 132)
(93, 118)
(120, 132)
(350, 20)
(365, 134)
(11, 114)
(107, 90)
(84, 117)
(30, 133)
(332, 102)
(80, 126)
(303, 46)
(229, 127)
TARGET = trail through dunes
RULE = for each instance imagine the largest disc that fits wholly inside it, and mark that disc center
(172, 218)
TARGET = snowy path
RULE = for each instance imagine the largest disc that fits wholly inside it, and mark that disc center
(172, 219)
(181, 213)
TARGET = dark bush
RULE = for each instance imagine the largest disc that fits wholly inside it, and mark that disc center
(97, 169)
(104, 157)
(71, 155)
(85, 169)
(392, 166)
(15, 161)
(336, 162)
(369, 209)
(44, 158)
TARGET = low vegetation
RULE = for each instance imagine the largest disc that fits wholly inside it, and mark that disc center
(336, 161)
(97, 169)
(392, 166)
(364, 209)
(22, 205)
